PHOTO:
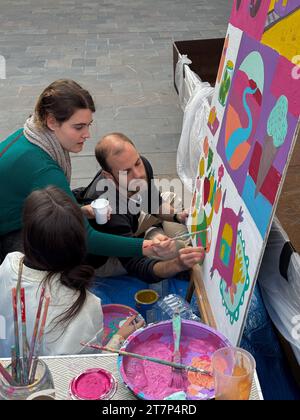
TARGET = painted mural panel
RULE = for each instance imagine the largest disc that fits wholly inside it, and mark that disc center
(245, 154)
(282, 32)
(250, 16)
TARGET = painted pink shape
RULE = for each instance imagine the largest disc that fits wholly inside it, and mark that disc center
(242, 19)
(232, 219)
(284, 83)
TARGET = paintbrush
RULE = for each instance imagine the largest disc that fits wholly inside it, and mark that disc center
(187, 235)
(40, 339)
(179, 237)
(24, 337)
(6, 375)
(16, 331)
(177, 378)
(35, 329)
(13, 363)
(149, 359)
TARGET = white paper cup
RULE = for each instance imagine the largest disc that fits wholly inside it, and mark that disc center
(101, 209)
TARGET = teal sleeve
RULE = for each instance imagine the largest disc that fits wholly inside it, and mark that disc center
(98, 243)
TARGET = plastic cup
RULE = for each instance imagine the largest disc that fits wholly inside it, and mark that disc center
(101, 209)
(233, 370)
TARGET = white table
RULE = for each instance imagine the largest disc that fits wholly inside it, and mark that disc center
(65, 368)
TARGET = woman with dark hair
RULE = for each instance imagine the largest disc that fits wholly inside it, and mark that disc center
(54, 240)
(38, 156)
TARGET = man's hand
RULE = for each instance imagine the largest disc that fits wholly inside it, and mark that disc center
(88, 211)
(183, 216)
(161, 246)
(90, 214)
(188, 257)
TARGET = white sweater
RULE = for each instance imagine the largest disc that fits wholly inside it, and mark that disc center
(86, 326)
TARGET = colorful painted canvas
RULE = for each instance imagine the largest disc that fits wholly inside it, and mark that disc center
(250, 138)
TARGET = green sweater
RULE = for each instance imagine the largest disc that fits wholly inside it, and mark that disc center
(25, 167)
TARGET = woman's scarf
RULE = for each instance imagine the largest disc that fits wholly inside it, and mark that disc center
(47, 140)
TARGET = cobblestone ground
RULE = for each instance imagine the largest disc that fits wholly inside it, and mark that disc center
(121, 50)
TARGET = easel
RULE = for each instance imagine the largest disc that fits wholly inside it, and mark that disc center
(196, 285)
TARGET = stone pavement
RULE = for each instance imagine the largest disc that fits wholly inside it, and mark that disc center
(121, 50)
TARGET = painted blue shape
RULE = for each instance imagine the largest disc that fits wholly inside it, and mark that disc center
(241, 135)
(259, 207)
(225, 252)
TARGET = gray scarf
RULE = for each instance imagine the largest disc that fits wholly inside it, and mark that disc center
(46, 140)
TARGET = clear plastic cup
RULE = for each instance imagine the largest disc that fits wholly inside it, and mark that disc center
(233, 370)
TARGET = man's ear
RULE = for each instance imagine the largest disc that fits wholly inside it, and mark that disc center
(51, 122)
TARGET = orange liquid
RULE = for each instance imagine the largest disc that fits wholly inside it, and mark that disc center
(236, 389)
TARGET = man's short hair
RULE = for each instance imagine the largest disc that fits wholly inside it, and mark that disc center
(104, 149)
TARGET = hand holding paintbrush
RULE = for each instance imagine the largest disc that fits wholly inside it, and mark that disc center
(184, 236)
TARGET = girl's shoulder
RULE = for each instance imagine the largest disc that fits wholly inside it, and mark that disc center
(12, 261)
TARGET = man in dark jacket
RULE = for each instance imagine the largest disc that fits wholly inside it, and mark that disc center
(126, 180)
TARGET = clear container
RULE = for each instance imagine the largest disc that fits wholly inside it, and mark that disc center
(44, 381)
(175, 303)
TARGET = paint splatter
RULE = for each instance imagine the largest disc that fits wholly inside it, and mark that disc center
(197, 381)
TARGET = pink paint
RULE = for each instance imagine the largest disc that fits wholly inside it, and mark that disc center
(153, 379)
(93, 384)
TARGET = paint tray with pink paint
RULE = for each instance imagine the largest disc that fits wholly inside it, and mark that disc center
(152, 381)
(114, 317)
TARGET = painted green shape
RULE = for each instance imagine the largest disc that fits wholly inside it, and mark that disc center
(253, 66)
(277, 122)
(233, 309)
(210, 159)
(225, 252)
(201, 225)
(214, 193)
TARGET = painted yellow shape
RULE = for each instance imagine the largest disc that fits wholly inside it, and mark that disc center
(273, 2)
(228, 234)
(238, 276)
(284, 36)
(212, 183)
(212, 116)
(222, 253)
(202, 167)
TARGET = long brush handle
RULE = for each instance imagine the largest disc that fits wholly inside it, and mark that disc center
(187, 235)
(149, 359)
(40, 339)
(16, 331)
(6, 375)
(24, 337)
(183, 236)
(35, 329)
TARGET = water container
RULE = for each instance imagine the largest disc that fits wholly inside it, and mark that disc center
(172, 303)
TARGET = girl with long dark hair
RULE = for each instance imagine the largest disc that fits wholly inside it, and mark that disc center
(54, 241)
